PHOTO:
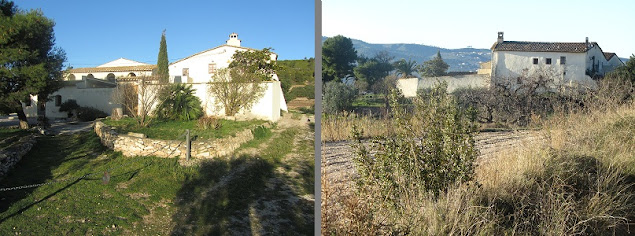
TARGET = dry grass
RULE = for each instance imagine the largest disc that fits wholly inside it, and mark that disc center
(337, 127)
(578, 179)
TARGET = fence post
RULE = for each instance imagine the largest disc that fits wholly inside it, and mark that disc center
(189, 144)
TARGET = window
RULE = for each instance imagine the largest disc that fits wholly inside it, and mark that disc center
(548, 61)
(186, 71)
(211, 69)
(110, 77)
(177, 79)
(58, 100)
(131, 74)
(563, 60)
(535, 61)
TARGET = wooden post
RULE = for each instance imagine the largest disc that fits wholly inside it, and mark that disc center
(189, 144)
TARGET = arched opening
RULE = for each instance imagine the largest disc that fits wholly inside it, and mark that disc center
(71, 77)
(110, 77)
(90, 76)
(131, 75)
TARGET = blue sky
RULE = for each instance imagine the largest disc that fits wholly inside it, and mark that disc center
(458, 24)
(96, 32)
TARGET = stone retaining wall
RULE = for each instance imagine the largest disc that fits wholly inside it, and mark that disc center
(136, 146)
(11, 155)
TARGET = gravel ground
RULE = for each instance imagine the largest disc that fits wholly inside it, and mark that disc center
(337, 156)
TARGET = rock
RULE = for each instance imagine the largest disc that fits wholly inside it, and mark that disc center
(138, 135)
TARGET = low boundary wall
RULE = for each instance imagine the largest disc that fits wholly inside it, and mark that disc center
(11, 155)
(137, 146)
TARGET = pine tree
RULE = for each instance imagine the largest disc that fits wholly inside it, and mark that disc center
(434, 67)
(30, 64)
(162, 61)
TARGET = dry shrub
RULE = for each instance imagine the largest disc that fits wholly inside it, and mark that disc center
(578, 178)
(208, 122)
(338, 126)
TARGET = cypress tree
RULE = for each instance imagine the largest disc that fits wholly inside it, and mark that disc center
(162, 61)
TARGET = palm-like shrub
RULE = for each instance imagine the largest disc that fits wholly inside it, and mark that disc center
(179, 103)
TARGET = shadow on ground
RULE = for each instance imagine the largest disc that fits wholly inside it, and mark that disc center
(241, 196)
(37, 166)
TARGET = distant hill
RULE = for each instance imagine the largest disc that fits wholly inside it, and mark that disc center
(463, 59)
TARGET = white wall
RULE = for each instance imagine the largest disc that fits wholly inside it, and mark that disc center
(266, 108)
(511, 65)
(410, 86)
(99, 98)
(198, 65)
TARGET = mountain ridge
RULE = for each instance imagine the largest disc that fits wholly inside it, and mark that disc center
(462, 59)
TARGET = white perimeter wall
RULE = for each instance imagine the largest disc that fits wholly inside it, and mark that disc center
(410, 86)
(99, 98)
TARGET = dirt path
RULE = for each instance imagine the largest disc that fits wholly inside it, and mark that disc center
(281, 209)
(337, 156)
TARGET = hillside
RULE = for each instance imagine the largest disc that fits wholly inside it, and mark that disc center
(296, 77)
(463, 59)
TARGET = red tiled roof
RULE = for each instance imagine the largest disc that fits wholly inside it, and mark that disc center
(543, 46)
(609, 55)
(113, 69)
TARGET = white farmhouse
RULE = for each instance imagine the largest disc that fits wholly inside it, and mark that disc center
(200, 68)
(94, 86)
(568, 64)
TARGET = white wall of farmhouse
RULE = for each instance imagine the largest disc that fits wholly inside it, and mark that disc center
(511, 65)
(268, 107)
(198, 67)
(99, 98)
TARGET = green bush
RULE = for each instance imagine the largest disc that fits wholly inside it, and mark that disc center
(261, 132)
(209, 122)
(429, 147)
(89, 113)
(337, 97)
(179, 103)
(68, 106)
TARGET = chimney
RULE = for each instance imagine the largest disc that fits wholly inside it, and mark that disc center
(233, 40)
(500, 37)
(587, 40)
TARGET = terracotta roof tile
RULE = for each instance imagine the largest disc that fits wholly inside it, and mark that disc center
(113, 69)
(609, 55)
(542, 46)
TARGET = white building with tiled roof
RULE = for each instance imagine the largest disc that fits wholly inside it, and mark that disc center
(121, 67)
(201, 67)
(568, 64)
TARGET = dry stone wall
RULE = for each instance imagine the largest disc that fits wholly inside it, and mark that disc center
(137, 146)
(11, 155)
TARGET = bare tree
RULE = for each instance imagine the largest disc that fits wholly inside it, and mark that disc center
(234, 90)
(138, 98)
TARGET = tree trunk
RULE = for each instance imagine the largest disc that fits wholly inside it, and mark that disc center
(24, 123)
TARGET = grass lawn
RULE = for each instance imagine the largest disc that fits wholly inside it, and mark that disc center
(171, 130)
(369, 100)
(11, 133)
(149, 195)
